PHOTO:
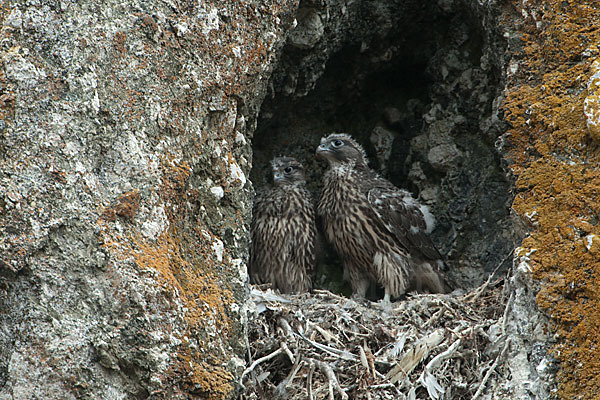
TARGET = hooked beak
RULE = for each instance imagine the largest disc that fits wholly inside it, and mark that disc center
(277, 177)
(322, 150)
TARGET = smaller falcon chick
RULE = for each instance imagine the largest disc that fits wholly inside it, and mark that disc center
(379, 231)
(283, 231)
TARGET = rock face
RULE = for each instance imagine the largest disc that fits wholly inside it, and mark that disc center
(124, 200)
(126, 144)
(552, 146)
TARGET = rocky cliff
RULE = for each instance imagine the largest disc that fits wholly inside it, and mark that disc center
(133, 134)
(124, 196)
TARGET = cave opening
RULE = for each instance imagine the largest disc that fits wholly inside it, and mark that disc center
(418, 84)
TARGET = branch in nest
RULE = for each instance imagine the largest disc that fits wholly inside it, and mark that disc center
(286, 327)
(309, 379)
(257, 362)
(489, 371)
(335, 352)
(332, 379)
(281, 388)
(427, 379)
(288, 352)
(471, 297)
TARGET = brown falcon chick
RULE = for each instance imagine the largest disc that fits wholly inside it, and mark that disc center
(379, 231)
(283, 231)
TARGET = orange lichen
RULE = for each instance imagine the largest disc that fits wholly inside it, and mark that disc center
(215, 378)
(196, 285)
(175, 176)
(559, 179)
(187, 270)
(126, 206)
(205, 300)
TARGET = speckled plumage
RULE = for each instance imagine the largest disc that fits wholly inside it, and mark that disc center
(283, 231)
(379, 231)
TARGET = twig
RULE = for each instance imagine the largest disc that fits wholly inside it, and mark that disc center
(327, 335)
(309, 378)
(506, 311)
(335, 352)
(283, 385)
(489, 371)
(443, 355)
(333, 382)
(434, 317)
(427, 379)
(475, 295)
(288, 352)
(260, 360)
(382, 386)
(370, 359)
(286, 326)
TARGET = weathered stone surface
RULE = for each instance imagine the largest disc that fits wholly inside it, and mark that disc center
(123, 193)
(309, 30)
(125, 150)
(553, 50)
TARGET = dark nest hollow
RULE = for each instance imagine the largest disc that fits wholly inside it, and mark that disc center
(421, 95)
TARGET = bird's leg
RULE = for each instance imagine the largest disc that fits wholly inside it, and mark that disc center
(386, 303)
(359, 281)
(360, 284)
(386, 298)
(359, 287)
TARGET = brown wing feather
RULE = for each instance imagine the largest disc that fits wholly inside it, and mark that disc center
(259, 212)
(400, 214)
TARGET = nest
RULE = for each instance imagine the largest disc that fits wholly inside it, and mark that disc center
(323, 346)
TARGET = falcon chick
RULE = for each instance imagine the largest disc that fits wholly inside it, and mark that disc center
(379, 231)
(283, 231)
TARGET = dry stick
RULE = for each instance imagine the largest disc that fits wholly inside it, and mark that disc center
(371, 360)
(333, 382)
(475, 295)
(288, 352)
(286, 326)
(434, 317)
(283, 385)
(489, 371)
(260, 360)
(382, 386)
(506, 310)
(443, 355)
(449, 352)
(311, 369)
(330, 388)
(335, 352)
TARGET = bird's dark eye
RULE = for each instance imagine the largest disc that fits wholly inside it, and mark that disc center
(288, 170)
(337, 143)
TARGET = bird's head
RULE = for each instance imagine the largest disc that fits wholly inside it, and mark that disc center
(339, 148)
(287, 171)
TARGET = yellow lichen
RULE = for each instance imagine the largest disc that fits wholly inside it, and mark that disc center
(591, 105)
(205, 301)
(559, 179)
(187, 270)
(196, 285)
(214, 378)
